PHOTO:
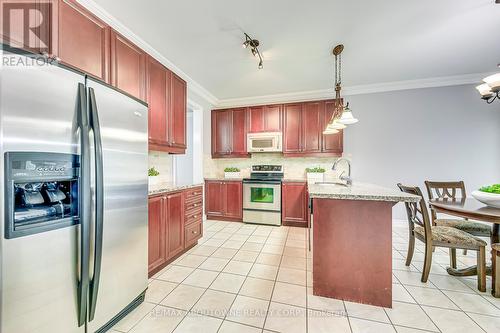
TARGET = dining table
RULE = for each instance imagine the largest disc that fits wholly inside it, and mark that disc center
(471, 209)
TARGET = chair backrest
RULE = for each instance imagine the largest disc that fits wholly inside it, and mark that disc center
(445, 190)
(417, 211)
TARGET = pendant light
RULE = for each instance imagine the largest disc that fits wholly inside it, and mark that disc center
(490, 89)
(342, 115)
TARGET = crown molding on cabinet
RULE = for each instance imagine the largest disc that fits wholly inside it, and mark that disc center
(322, 94)
(122, 29)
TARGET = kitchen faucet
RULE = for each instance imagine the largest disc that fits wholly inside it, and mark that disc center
(347, 178)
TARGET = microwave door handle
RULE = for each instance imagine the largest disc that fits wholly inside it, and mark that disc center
(85, 209)
(99, 204)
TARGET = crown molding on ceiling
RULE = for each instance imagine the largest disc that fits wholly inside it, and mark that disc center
(194, 86)
(354, 90)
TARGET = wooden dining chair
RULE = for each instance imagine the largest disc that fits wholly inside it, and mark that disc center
(420, 227)
(454, 191)
(495, 269)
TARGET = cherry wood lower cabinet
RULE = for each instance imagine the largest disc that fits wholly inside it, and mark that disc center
(175, 225)
(224, 200)
(294, 204)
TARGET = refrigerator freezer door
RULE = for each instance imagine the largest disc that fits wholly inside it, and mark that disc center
(38, 273)
(124, 137)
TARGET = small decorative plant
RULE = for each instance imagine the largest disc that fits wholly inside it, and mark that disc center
(315, 175)
(152, 172)
(232, 172)
(495, 189)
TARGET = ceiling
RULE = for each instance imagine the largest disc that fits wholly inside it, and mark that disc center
(385, 40)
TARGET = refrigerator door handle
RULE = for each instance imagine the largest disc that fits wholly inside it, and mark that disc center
(99, 203)
(85, 209)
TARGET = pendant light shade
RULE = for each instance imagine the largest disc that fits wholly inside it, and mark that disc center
(330, 131)
(347, 118)
(336, 125)
(485, 90)
(493, 81)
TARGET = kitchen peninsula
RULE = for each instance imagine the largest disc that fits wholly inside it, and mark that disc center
(352, 241)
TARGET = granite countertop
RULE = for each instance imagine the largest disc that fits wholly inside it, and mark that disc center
(170, 187)
(360, 191)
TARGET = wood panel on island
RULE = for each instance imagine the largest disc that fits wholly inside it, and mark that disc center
(175, 225)
(294, 204)
(224, 200)
(77, 38)
(301, 124)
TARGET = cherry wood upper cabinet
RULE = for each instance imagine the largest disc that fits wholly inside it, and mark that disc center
(175, 223)
(294, 210)
(239, 132)
(292, 132)
(311, 126)
(264, 118)
(157, 240)
(221, 132)
(331, 143)
(83, 40)
(128, 66)
(157, 87)
(233, 195)
(178, 97)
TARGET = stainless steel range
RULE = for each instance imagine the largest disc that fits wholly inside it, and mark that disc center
(262, 195)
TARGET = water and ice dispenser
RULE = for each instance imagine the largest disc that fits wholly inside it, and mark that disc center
(41, 192)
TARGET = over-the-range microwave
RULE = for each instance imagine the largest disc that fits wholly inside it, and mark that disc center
(266, 142)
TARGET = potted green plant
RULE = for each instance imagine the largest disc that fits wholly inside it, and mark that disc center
(232, 173)
(153, 176)
(315, 175)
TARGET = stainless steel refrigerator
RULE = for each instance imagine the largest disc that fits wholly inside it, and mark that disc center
(73, 200)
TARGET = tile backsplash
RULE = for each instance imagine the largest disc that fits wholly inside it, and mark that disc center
(163, 162)
(294, 167)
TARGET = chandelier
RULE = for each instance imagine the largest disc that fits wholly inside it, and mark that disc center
(490, 89)
(342, 115)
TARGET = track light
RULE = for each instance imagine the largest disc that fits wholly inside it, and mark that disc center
(254, 44)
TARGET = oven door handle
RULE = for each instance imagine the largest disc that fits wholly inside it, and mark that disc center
(272, 182)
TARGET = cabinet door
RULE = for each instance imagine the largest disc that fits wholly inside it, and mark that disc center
(292, 132)
(239, 132)
(175, 224)
(157, 101)
(214, 201)
(178, 103)
(83, 40)
(29, 25)
(157, 245)
(128, 66)
(311, 127)
(331, 143)
(256, 119)
(233, 199)
(272, 118)
(294, 204)
(221, 132)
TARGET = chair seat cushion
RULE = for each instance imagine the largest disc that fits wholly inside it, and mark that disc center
(474, 228)
(452, 236)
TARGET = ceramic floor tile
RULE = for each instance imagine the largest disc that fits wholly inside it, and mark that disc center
(191, 260)
(290, 294)
(273, 249)
(325, 304)
(489, 323)
(399, 293)
(294, 252)
(230, 244)
(238, 267)
(195, 323)
(249, 246)
(450, 321)
(294, 262)
(367, 326)
(473, 303)
(158, 290)
(257, 239)
(160, 320)
(214, 264)
(240, 238)
(326, 322)
(134, 317)
(286, 318)
(214, 303)
(176, 274)
(230, 327)
(290, 275)
(246, 256)
(447, 282)
(224, 253)
(248, 310)
(410, 315)
(269, 259)
(432, 297)
(258, 288)
(264, 271)
(411, 278)
(183, 297)
(201, 278)
(365, 311)
(228, 282)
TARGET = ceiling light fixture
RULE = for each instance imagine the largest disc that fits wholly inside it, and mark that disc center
(490, 89)
(254, 48)
(342, 115)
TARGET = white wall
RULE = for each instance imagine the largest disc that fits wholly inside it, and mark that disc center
(410, 136)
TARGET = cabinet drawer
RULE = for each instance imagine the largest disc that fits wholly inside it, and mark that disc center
(195, 193)
(194, 216)
(194, 205)
(193, 233)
